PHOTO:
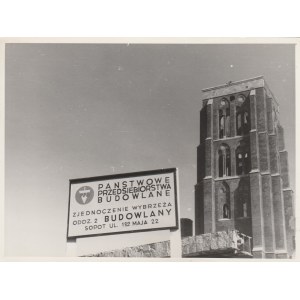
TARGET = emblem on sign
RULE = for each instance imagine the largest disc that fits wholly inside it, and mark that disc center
(84, 195)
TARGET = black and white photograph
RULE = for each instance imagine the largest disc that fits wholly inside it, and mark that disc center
(150, 150)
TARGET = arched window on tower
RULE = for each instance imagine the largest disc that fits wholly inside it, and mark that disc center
(224, 161)
(242, 161)
(239, 163)
(245, 209)
(238, 123)
(224, 119)
(224, 201)
(225, 211)
(227, 123)
(221, 125)
(247, 162)
(242, 201)
(242, 116)
(246, 118)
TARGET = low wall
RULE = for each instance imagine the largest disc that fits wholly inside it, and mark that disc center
(218, 244)
(223, 243)
(161, 249)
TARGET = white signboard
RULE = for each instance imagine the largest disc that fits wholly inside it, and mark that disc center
(123, 203)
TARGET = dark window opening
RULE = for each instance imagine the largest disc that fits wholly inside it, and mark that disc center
(242, 116)
(221, 127)
(224, 119)
(242, 162)
(228, 166)
(221, 164)
(224, 202)
(227, 125)
(247, 163)
(239, 164)
(242, 202)
(239, 124)
(246, 124)
(245, 210)
(224, 161)
(225, 211)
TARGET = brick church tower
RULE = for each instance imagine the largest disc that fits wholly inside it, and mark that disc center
(242, 168)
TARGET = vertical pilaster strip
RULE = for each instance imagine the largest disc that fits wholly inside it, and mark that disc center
(270, 120)
(280, 137)
(274, 163)
(279, 217)
(209, 211)
(199, 209)
(255, 182)
(253, 110)
(204, 190)
(261, 110)
(209, 118)
(214, 128)
(209, 164)
(232, 118)
(208, 158)
(215, 120)
(233, 161)
(268, 213)
(284, 169)
(257, 215)
(253, 133)
(264, 164)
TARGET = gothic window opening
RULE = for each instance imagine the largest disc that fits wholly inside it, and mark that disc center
(242, 200)
(246, 123)
(247, 162)
(245, 210)
(224, 161)
(241, 99)
(227, 123)
(224, 202)
(221, 126)
(239, 124)
(242, 116)
(221, 165)
(242, 161)
(228, 162)
(224, 119)
(239, 164)
(225, 211)
(246, 118)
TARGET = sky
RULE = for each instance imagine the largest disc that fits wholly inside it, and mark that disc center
(83, 110)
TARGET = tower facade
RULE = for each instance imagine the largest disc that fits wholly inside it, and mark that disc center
(242, 168)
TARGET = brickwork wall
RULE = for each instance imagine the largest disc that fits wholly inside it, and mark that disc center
(161, 249)
(216, 243)
(271, 199)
